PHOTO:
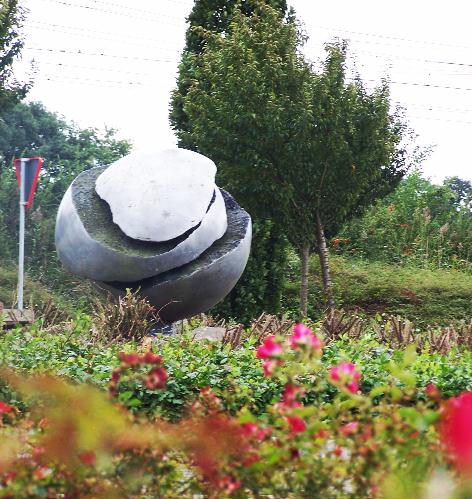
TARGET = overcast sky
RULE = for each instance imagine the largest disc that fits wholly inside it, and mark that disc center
(114, 63)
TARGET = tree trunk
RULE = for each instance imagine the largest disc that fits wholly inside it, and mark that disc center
(324, 262)
(304, 257)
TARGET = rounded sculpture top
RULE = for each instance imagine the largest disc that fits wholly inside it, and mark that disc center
(158, 195)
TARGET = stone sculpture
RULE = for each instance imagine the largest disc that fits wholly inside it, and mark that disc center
(155, 222)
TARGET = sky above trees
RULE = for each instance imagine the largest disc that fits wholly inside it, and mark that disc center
(106, 62)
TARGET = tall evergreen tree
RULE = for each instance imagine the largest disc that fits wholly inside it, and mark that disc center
(207, 15)
(260, 287)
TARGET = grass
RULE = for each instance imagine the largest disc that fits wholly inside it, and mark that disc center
(34, 292)
(423, 296)
(426, 297)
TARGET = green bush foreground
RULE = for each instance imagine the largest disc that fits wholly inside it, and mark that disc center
(202, 417)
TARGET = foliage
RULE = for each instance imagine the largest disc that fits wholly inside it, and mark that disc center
(423, 296)
(11, 43)
(306, 149)
(31, 130)
(355, 445)
(261, 285)
(214, 16)
(71, 350)
(419, 224)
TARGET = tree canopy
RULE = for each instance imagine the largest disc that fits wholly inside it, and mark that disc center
(30, 130)
(305, 148)
(11, 43)
(207, 16)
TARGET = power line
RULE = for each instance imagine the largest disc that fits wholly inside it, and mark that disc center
(117, 41)
(431, 118)
(88, 30)
(71, 79)
(415, 84)
(97, 68)
(429, 61)
(123, 14)
(99, 54)
(410, 40)
(121, 6)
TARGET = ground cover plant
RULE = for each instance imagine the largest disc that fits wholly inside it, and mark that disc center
(380, 441)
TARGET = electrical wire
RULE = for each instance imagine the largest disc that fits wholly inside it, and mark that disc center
(99, 54)
(123, 14)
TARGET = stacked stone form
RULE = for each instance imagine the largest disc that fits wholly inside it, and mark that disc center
(155, 222)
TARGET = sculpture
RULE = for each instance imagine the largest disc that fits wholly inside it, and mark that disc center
(155, 222)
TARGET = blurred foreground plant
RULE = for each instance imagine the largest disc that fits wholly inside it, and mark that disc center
(385, 443)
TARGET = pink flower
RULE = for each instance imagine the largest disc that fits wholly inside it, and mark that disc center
(269, 367)
(349, 428)
(296, 423)
(303, 336)
(345, 374)
(229, 484)
(249, 429)
(456, 430)
(252, 430)
(289, 397)
(156, 378)
(269, 349)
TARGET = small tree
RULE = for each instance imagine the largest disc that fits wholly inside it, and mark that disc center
(11, 43)
(306, 149)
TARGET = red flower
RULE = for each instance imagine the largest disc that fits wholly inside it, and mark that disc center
(303, 336)
(229, 484)
(88, 458)
(251, 459)
(321, 434)
(296, 423)
(346, 375)
(9, 477)
(152, 358)
(456, 430)
(5, 408)
(115, 375)
(156, 378)
(131, 359)
(432, 391)
(269, 349)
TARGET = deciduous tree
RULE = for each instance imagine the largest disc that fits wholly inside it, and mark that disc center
(307, 149)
